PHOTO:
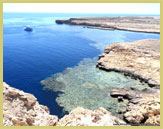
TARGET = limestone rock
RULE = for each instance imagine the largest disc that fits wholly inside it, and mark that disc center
(154, 120)
(139, 59)
(121, 93)
(147, 110)
(85, 117)
(23, 109)
(143, 106)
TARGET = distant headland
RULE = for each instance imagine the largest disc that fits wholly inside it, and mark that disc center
(148, 24)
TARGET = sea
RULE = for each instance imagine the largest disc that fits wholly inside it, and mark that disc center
(30, 57)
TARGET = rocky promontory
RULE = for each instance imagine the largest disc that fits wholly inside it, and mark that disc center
(139, 59)
(23, 109)
(150, 24)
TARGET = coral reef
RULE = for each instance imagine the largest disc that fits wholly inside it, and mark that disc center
(88, 87)
(22, 109)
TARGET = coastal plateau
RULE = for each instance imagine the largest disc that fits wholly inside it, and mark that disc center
(148, 24)
(140, 59)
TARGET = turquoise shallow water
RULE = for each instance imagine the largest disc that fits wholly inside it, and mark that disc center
(29, 58)
(86, 86)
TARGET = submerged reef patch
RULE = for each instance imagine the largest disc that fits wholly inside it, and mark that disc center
(89, 87)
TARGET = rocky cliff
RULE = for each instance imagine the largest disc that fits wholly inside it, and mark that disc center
(23, 109)
(139, 59)
(130, 23)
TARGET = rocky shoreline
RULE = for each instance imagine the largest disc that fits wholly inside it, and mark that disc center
(139, 59)
(148, 24)
(23, 109)
(143, 107)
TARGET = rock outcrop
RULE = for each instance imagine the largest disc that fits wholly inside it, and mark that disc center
(130, 23)
(122, 93)
(85, 117)
(147, 110)
(23, 109)
(143, 106)
(139, 59)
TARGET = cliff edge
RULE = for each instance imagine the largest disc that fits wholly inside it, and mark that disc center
(23, 109)
(139, 59)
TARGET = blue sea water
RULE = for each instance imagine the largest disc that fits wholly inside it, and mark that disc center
(29, 57)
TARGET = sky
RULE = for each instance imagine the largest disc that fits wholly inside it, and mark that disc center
(112, 8)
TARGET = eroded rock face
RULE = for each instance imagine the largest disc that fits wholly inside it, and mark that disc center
(23, 109)
(143, 106)
(140, 59)
(85, 117)
(146, 111)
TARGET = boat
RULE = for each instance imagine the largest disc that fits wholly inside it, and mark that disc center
(27, 28)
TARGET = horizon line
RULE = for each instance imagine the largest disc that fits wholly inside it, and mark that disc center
(82, 13)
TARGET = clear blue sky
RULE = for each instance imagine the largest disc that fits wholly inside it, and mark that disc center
(114, 8)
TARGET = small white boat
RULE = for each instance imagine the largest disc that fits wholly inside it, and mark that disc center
(27, 28)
